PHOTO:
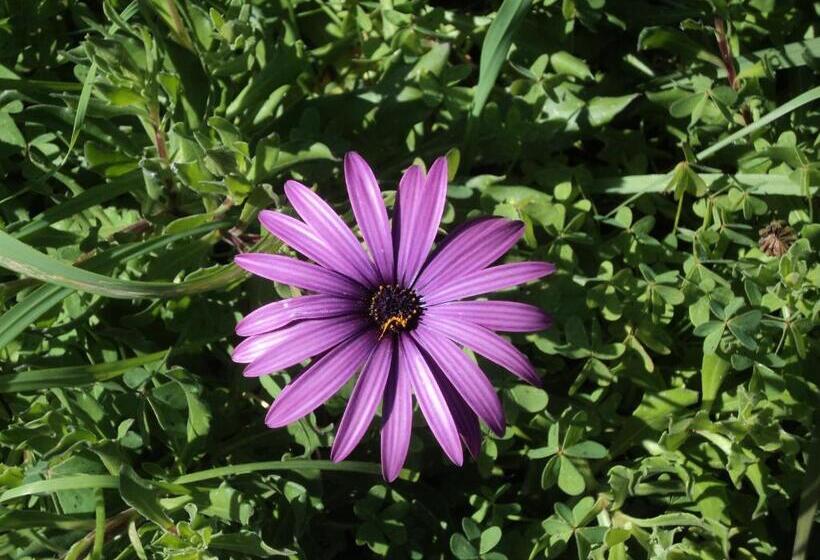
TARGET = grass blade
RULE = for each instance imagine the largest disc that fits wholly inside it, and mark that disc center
(808, 501)
(495, 48)
(75, 482)
(753, 183)
(32, 307)
(802, 99)
(27, 519)
(36, 304)
(73, 376)
(82, 107)
(92, 197)
(24, 259)
(294, 465)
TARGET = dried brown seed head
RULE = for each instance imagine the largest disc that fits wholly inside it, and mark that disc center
(776, 238)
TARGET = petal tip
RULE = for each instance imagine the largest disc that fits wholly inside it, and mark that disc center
(390, 472)
(294, 189)
(458, 460)
(243, 259)
(337, 456)
(535, 381)
(272, 419)
(440, 166)
(498, 427)
(251, 371)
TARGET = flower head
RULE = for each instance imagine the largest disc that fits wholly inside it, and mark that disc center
(396, 314)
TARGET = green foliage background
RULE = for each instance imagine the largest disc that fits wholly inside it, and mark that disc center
(138, 141)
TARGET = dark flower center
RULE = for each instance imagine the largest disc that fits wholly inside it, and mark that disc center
(394, 309)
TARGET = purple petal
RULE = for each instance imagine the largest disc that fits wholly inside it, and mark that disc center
(465, 375)
(320, 381)
(508, 316)
(371, 215)
(477, 245)
(258, 345)
(364, 400)
(283, 312)
(465, 419)
(303, 275)
(431, 401)
(272, 352)
(487, 280)
(421, 205)
(332, 230)
(397, 422)
(302, 238)
(486, 343)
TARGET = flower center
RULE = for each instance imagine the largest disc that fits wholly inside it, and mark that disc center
(394, 309)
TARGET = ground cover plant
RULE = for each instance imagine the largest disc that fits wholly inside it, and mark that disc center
(662, 155)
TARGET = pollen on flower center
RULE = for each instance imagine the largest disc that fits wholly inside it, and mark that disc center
(394, 309)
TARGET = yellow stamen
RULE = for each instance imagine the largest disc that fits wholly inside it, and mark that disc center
(396, 320)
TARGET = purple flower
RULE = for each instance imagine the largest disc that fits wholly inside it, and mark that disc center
(396, 314)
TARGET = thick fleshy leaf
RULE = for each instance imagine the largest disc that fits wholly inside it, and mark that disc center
(486, 280)
(465, 375)
(283, 312)
(397, 423)
(431, 401)
(371, 214)
(303, 275)
(365, 399)
(420, 207)
(301, 237)
(320, 381)
(474, 247)
(269, 353)
(508, 316)
(486, 343)
(466, 420)
(333, 231)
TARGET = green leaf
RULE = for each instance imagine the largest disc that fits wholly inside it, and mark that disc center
(141, 495)
(272, 158)
(531, 399)
(676, 42)
(712, 371)
(9, 133)
(709, 327)
(747, 321)
(602, 110)
(490, 537)
(712, 340)
(461, 547)
(653, 414)
(586, 450)
(570, 480)
(246, 542)
(564, 63)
